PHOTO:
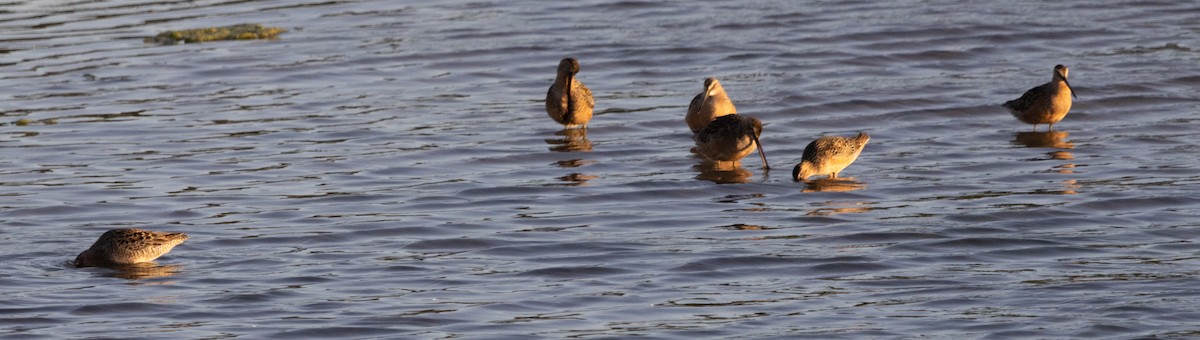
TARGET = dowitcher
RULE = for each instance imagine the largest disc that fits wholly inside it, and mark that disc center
(829, 155)
(128, 246)
(708, 105)
(568, 101)
(729, 138)
(1045, 104)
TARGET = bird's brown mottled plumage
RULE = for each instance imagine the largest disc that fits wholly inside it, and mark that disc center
(829, 155)
(729, 138)
(708, 105)
(568, 101)
(128, 246)
(1044, 104)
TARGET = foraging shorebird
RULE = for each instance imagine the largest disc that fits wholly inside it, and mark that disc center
(829, 155)
(568, 101)
(729, 138)
(1045, 104)
(708, 105)
(128, 246)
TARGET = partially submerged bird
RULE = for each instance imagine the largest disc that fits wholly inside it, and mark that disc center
(568, 101)
(829, 155)
(729, 138)
(128, 246)
(1045, 104)
(708, 105)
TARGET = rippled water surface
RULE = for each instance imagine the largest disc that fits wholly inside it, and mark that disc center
(387, 169)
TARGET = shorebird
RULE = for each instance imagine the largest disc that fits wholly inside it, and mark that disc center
(1045, 104)
(829, 155)
(708, 105)
(729, 138)
(128, 246)
(568, 101)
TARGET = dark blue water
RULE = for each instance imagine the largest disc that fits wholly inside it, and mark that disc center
(387, 170)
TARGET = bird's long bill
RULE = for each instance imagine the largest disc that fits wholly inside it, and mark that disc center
(761, 154)
(567, 84)
(1069, 88)
(567, 93)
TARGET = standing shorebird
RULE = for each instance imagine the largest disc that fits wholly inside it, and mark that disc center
(829, 155)
(128, 246)
(568, 101)
(1045, 104)
(708, 105)
(729, 138)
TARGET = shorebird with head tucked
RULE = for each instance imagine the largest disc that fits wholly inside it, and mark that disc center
(829, 155)
(708, 105)
(1045, 104)
(128, 246)
(729, 138)
(568, 101)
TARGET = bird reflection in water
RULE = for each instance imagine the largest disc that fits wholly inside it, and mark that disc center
(574, 163)
(710, 171)
(1061, 155)
(573, 140)
(833, 185)
(831, 208)
(1068, 168)
(1049, 139)
(145, 270)
(1069, 187)
(742, 226)
(577, 179)
(1056, 140)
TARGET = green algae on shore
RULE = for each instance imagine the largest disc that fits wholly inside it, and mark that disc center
(235, 32)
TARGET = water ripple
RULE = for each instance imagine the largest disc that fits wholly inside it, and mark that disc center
(387, 170)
